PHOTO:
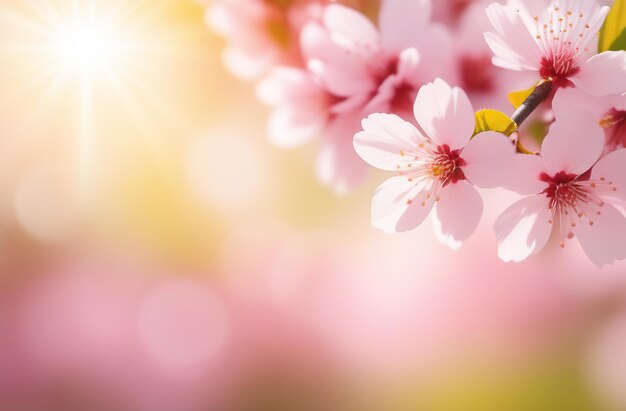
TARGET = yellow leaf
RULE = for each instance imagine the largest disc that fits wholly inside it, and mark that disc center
(518, 97)
(494, 120)
(613, 29)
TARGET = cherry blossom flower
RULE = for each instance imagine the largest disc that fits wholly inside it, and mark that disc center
(377, 69)
(559, 43)
(566, 194)
(440, 166)
(354, 69)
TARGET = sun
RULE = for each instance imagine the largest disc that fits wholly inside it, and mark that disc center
(87, 48)
(95, 77)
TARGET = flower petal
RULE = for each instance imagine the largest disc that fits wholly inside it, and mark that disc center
(385, 139)
(341, 70)
(245, 65)
(604, 242)
(402, 21)
(286, 84)
(397, 205)
(487, 156)
(522, 175)
(574, 143)
(338, 165)
(350, 28)
(523, 229)
(512, 44)
(603, 74)
(293, 126)
(445, 114)
(457, 213)
(612, 168)
(574, 99)
(301, 106)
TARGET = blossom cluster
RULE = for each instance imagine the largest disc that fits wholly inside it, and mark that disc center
(391, 83)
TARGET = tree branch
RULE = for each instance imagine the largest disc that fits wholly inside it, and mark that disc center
(538, 96)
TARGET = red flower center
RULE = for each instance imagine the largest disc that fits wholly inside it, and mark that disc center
(446, 165)
(561, 191)
(559, 69)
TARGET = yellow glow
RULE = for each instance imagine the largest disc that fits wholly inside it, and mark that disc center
(86, 48)
(110, 89)
(95, 67)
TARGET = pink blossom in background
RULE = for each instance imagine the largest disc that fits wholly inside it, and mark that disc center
(302, 106)
(450, 12)
(558, 42)
(114, 335)
(260, 33)
(568, 197)
(440, 167)
(609, 111)
(354, 69)
(486, 85)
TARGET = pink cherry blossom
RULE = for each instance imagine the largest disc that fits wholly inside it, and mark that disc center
(354, 69)
(559, 43)
(260, 33)
(377, 69)
(609, 111)
(567, 194)
(440, 166)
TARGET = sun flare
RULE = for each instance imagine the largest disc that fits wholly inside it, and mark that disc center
(86, 48)
(93, 78)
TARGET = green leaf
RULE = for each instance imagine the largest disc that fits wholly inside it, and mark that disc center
(619, 43)
(494, 120)
(612, 35)
(518, 97)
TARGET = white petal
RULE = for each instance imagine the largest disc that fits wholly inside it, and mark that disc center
(457, 213)
(603, 74)
(397, 205)
(487, 155)
(350, 28)
(512, 44)
(523, 229)
(445, 114)
(385, 139)
(574, 143)
(604, 242)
